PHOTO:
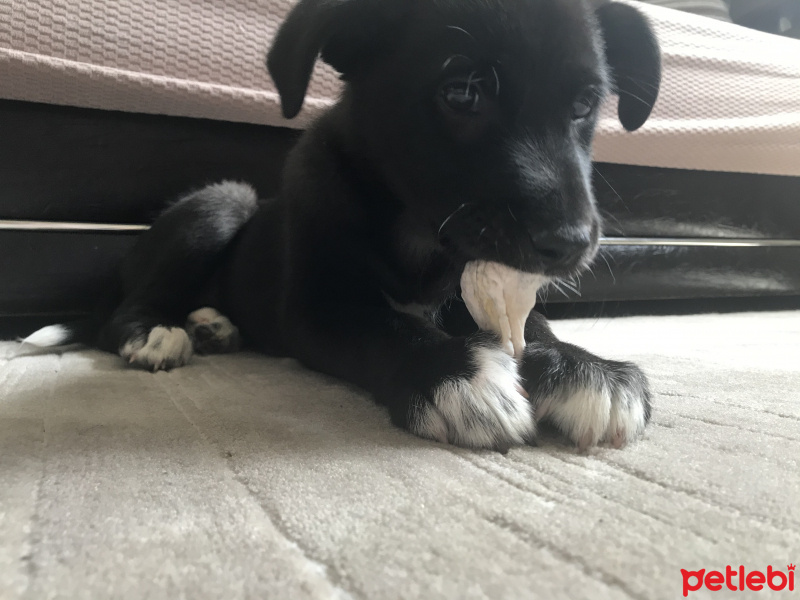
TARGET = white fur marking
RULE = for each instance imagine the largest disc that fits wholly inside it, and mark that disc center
(166, 348)
(627, 419)
(597, 412)
(583, 413)
(484, 411)
(46, 337)
(225, 333)
(203, 315)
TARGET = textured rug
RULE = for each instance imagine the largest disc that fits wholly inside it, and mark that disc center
(249, 477)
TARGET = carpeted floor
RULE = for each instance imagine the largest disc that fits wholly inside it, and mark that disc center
(248, 477)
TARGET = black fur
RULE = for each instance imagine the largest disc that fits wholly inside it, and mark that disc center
(406, 179)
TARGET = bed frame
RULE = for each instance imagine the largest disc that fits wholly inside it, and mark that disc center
(78, 185)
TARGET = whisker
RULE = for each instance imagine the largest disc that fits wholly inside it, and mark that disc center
(558, 287)
(616, 193)
(571, 287)
(451, 59)
(462, 30)
(610, 270)
(590, 270)
(497, 81)
(605, 212)
(472, 80)
(544, 293)
(609, 216)
(642, 83)
(611, 187)
(562, 285)
(634, 96)
(447, 220)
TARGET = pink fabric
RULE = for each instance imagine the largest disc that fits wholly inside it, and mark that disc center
(730, 99)
(175, 57)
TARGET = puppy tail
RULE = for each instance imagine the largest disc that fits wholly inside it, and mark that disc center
(56, 336)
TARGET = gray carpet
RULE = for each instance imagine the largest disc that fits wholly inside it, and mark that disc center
(249, 477)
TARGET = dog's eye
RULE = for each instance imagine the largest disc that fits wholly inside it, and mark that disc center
(583, 106)
(462, 96)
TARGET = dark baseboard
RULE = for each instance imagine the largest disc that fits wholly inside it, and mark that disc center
(66, 272)
(692, 306)
(57, 273)
(675, 203)
(666, 272)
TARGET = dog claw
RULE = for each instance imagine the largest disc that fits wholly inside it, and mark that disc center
(618, 441)
(586, 441)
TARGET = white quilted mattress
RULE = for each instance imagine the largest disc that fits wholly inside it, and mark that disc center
(730, 100)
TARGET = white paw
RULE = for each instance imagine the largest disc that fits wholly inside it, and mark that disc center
(486, 410)
(600, 406)
(212, 332)
(165, 348)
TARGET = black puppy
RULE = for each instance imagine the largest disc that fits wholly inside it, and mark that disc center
(463, 133)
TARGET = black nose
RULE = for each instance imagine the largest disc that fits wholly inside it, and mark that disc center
(563, 246)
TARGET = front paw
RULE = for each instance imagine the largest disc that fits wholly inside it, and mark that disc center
(212, 332)
(589, 399)
(481, 406)
(164, 348)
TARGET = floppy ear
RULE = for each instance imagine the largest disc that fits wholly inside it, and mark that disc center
(634, 56)
(346, 33)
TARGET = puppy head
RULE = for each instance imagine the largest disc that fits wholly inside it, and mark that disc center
(479, 114)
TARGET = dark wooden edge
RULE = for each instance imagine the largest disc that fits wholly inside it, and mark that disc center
(63, 273)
